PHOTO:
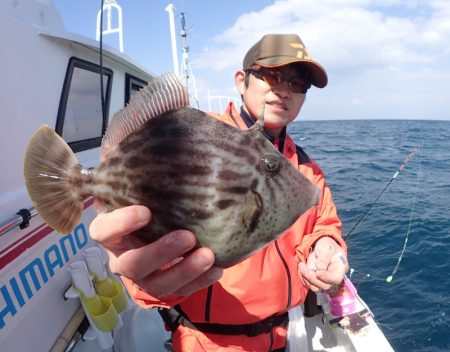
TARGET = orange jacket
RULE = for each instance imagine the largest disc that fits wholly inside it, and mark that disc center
(265, 284)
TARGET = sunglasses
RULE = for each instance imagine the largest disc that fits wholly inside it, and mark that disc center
(275, 78)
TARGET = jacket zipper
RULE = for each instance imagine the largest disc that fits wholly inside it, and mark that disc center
(288, 273)
(208, 304)
(289, 298)
(279, 144)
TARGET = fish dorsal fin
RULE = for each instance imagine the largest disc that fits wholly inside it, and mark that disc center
(162, 94)
(259, 124)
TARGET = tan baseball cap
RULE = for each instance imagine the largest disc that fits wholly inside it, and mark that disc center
(276, 50)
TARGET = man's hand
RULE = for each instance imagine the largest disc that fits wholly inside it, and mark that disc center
(325, 267)
(168, 266)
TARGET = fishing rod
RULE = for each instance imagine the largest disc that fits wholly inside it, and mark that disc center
(402, 166)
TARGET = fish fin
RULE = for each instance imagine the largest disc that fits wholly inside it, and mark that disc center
(252, 210)
(47, 167)
(259, 124)
(162, 94)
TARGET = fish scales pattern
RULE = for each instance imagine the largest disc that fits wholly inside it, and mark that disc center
(191, 179)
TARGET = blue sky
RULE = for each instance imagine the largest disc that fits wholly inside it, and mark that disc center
(384, 58)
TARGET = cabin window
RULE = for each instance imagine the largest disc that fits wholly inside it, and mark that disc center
(80, 119)
(132, 85)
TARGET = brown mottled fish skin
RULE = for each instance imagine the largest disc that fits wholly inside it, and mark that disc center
(230, 187)
(197, 173)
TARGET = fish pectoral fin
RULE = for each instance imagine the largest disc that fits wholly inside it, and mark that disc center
(252, 210)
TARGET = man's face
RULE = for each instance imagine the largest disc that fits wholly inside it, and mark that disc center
(282, 105)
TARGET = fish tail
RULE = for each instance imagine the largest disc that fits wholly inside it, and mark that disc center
(50, 169)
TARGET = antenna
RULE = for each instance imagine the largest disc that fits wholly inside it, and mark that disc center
(185, 74)
(107, 8)
(186, 70)
(171, 9)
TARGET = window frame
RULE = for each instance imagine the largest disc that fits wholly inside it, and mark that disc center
(74, 62)
(129, 81)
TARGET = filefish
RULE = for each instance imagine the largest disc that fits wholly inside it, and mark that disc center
(230, 187)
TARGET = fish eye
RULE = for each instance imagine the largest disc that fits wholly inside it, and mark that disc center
(270, 164)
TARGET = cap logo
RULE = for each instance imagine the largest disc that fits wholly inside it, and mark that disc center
(302, 53)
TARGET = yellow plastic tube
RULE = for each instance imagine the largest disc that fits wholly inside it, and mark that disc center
(101, 310)
(113, 290)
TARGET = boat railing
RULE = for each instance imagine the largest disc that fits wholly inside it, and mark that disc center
(221, 100)
(21, 218)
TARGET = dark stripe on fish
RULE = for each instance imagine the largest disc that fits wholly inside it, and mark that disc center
(235, 151)
(134, 162)
(226, 203)
(170, 194)
(130, 145)
(183, 170)
(234, 190)
(164, 150)
(201, 214)
(230, 175)
(114, 162)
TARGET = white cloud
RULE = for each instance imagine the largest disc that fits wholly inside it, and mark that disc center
(377, 53)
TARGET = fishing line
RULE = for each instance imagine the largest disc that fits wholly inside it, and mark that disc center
(364, 276)
(391, 277)
(382, 192)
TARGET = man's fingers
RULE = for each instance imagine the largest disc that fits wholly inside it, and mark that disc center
(308, 276)
(336, 270)
(119, 223)
(138, 263)
(330, 278)
(315, 278)
(165, 282)
(111, 230)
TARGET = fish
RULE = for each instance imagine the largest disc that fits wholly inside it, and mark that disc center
(232, 188)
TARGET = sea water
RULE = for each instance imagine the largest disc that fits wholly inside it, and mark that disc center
(359, 159)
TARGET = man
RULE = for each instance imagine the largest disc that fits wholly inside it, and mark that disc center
(241, 308)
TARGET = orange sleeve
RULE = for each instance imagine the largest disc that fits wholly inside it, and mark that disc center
(145, 300)
(326, 222)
